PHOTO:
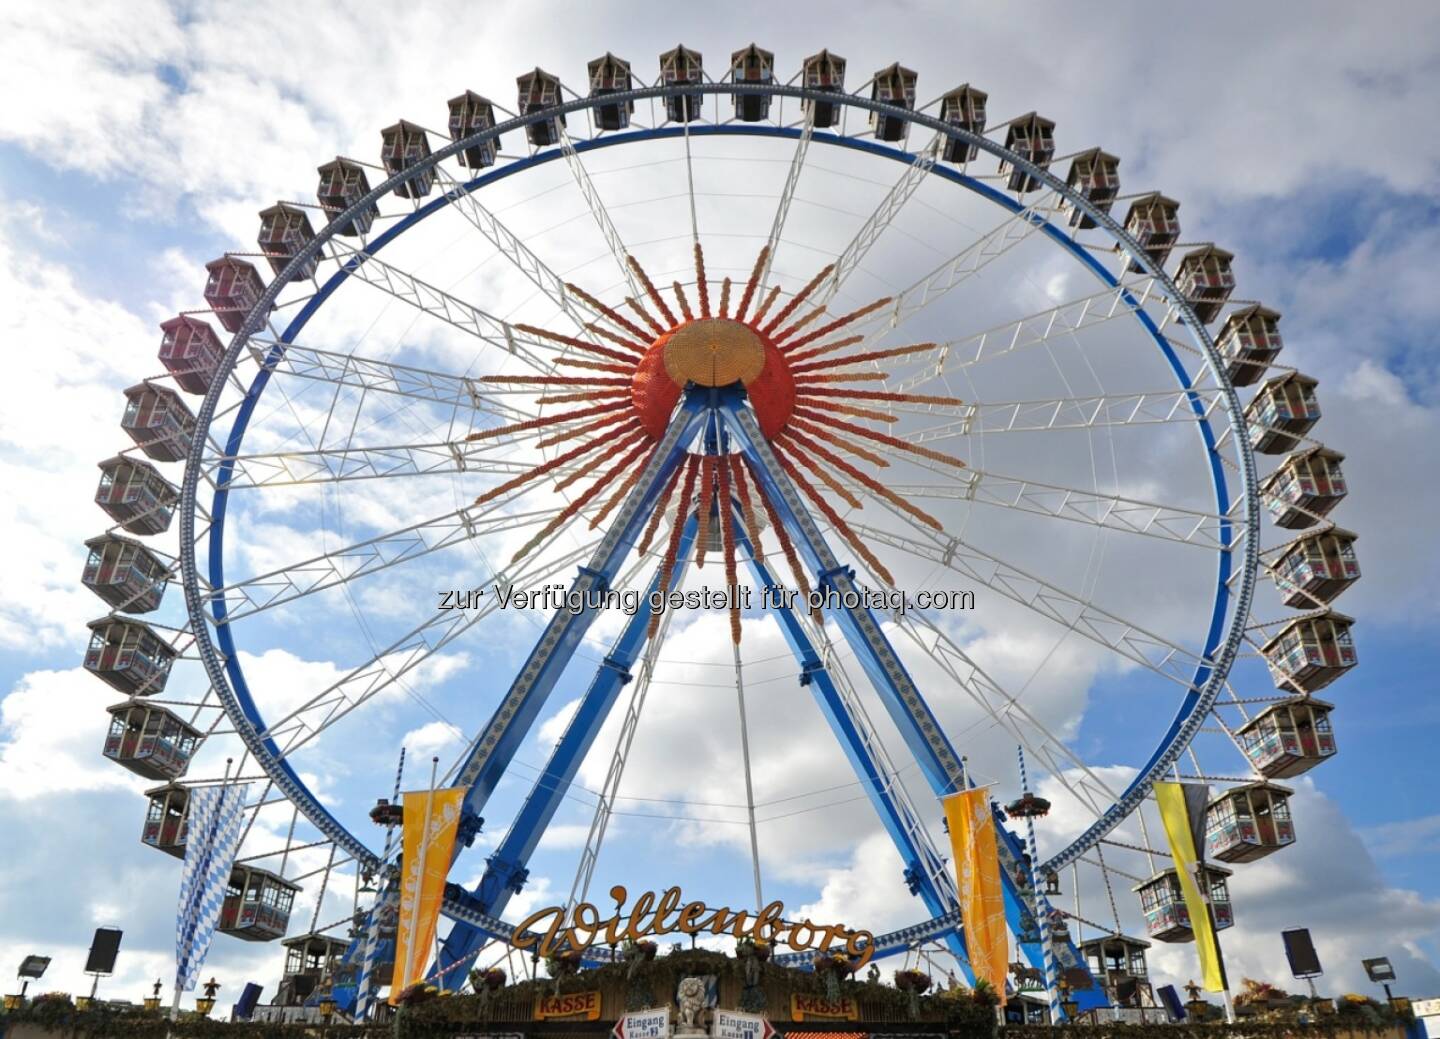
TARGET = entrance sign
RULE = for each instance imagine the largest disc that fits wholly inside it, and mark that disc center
(809, 1008)
(644, 1024)
(572, 1004)
(732, 1024)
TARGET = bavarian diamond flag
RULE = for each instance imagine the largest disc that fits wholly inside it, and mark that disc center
(216, 816)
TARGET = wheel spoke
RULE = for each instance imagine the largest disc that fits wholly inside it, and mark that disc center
(517, 252)
(1111, 511)
(343, 464)
(365, 373)
(394, 662)
(1032, 330)
(884, 215)
(361, 559)
(597, 209)
(1075, 613)
(1101, 411)
(782, 208)
(442, 305)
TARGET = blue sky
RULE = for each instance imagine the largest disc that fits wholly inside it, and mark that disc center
(160, 133)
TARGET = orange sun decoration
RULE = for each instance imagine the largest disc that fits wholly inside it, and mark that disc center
(797, 376)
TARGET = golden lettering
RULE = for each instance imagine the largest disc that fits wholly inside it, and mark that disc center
(543, 931)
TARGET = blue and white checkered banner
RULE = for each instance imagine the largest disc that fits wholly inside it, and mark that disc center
(216, 818)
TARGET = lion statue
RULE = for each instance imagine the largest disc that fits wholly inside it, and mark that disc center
(691, 997)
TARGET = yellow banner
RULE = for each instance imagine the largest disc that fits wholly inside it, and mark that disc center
(1170, 798)
(428, 840)
(977, 869)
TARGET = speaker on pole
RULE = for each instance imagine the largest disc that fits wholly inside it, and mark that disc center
(1300, 951)
(103, 950)
(1170, 1000)
(245, 1009)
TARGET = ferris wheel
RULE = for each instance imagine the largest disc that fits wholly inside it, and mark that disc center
(837, 342)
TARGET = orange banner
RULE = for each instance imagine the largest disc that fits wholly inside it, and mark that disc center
(977, 869)
(431, 818)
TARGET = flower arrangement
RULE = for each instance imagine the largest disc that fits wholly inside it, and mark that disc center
(564, 963)
(760, 948)
(417, 994)
(912, 981)
(487, 980)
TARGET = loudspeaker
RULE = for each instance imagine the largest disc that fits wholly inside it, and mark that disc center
(248, 999)
(103, 950)
(1171, 1001)
(1300, 951)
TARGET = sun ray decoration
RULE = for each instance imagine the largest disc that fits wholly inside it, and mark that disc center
(800, 376)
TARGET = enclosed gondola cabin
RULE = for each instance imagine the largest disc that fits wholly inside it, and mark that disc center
(125, 573)
(895, 86)
(1153, 220)
(469, 114)
(611, 75)
(1206, 279)
(682, 67)
(232, 288)
(1032, 138)
(284, 231)
(402, 146)
(752, 65)
(1316, 567)
(823, 71)
(190, 351)
(150, 740)
(135, 495)
(1282, 411)
(1162, 900)
(167, 819)
(538, 91)
(1305, 487)
(311, 962)
(1248, 341)
(343, 183)
(1311, 652)
(1248, 822)
(157, 419)
(1117, 961)
(128, 656)
(1288, 738)
(963, 107)
(1094, 174)
(257, 904)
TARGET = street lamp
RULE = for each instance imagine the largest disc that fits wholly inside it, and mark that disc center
(1067, 1002)
(31, 967)
(206, 1003)
(1381, 973)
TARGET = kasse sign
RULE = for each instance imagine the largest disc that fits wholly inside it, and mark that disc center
(644, 1024)
(730, 1024)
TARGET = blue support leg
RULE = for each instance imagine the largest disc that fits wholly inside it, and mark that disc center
(505, 870)
(918, 727)
(921, 865)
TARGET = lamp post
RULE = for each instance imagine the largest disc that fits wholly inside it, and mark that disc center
(206, 1003)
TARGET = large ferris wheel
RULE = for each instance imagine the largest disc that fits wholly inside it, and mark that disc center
(835, 342)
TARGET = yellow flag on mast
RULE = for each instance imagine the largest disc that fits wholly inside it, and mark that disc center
(428, 841)
(1175, 814)
(977, 872)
